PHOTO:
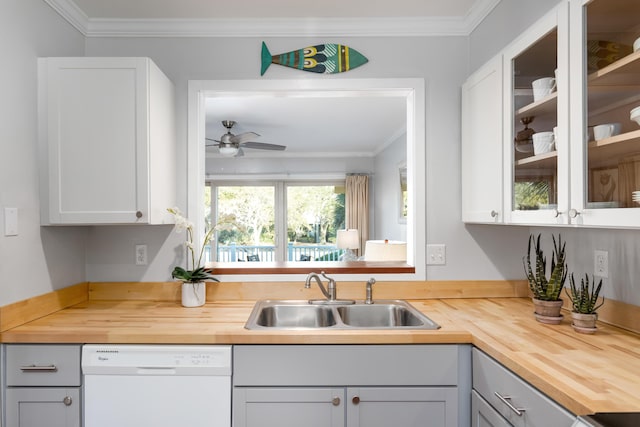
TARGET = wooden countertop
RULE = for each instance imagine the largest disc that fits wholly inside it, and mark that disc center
(584, 373)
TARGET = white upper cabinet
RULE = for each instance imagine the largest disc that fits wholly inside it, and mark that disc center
(605, 87)
(482, 145)
(107, 141)
(536, 105)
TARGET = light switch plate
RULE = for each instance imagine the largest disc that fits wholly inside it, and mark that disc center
(10, 221)
(436, 254)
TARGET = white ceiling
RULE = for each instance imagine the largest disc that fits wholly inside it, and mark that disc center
(315, 126)
(311, 126)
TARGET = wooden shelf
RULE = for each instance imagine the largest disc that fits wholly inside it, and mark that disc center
(609, 150)
(546, 106)
(542, 161)
(625, 71)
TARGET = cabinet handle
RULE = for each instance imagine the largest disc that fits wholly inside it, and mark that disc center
(355, 400)
(573, 213)
(494, 214)
(67, 400)
(556, 213)
(335, 401)
(34, 368)
(507, 401)
(138, 214)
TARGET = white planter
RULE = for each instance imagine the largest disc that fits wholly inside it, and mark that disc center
(194, 294)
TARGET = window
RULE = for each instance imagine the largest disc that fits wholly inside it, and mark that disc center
(276, 221)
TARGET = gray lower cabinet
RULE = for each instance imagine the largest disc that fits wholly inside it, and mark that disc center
(514, 401)
(353, 407)
(483, 414)
(43, 385)
(352, 386)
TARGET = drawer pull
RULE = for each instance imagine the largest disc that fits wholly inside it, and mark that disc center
(335, 401)
(507, 401)
(36, 368)
(67, 401)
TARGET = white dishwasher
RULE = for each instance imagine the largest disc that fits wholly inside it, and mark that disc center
(156, 385)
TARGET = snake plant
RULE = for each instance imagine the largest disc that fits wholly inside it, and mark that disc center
(584, 299)
(541, 287)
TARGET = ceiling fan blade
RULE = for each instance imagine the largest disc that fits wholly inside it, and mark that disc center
(208, 144)
(264, 146)
(243, 137)
(240, 153)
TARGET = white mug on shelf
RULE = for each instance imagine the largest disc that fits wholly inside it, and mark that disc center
(543, 142)
(543, 87)
(606, 130)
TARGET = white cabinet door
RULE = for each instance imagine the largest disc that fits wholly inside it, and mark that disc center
(37, 407)
(406, 407)
(604, 89)
(107, 141)
(288, 407)
(482, 167)
(483, 415)
(536, 182)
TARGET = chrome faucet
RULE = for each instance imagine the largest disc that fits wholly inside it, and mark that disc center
(369, 298)
(330, 292)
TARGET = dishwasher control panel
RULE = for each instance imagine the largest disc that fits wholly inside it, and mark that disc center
(156, 359)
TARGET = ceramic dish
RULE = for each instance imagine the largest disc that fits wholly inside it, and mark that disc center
(635, 115)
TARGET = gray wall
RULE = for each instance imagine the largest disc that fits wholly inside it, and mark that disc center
(37, 260)
(441, 61)
(504, 23)
(386, 194)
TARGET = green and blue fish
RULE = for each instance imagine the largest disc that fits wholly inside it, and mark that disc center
(329, 58)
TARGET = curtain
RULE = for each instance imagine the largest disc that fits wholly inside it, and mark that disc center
(357, 206)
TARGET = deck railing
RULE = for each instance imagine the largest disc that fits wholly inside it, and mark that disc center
(295, 252)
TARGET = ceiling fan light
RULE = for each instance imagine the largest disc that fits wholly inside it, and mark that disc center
(228, 151)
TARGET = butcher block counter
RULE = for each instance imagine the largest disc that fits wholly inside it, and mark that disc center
(584, 373)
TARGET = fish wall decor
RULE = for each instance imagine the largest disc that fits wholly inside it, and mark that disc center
(329, 58)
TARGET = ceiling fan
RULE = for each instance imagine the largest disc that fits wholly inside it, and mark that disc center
(231, 145)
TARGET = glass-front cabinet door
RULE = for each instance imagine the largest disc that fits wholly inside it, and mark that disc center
(536, 101)
(605, 113)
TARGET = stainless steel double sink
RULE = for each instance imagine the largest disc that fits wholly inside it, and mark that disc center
(382, 314)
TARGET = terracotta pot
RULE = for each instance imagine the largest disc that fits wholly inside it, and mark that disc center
(548, 311)
(584, 323)
(193, 294)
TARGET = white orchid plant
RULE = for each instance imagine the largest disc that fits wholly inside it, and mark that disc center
(197, 272)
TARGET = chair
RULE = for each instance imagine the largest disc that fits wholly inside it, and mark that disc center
(305, 258)
(253, 258)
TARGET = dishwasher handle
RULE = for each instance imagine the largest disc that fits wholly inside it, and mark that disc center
(155, 370)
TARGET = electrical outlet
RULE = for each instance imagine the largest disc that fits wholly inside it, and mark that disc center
(436, 254)
(601, 263)
(141, 254)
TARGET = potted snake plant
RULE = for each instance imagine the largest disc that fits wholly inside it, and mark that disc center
(546, 292)
(584, 304)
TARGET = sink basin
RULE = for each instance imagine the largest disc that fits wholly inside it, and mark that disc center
(380, 316)
(295, 316)
(384, 314)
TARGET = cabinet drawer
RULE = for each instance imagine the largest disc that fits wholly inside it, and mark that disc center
(491, 379)
(43, 365)
(327, 365)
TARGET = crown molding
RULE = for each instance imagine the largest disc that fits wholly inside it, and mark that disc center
(275, 27)
(70, 11)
